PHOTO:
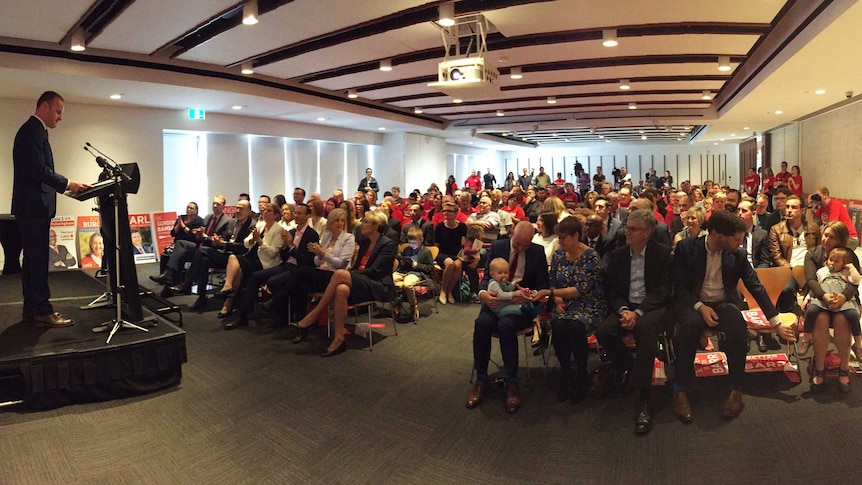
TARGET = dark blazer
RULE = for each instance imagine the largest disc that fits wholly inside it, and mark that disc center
(772, 219)
(535, 271)
(379, 265)
(760, 255)
(237, 246)
(35, 184)
(618, 265)
(183, 236)
(300, 251)
(224, 227)
(427, 231)
(689, 270)
(62, 254)
(659, 235)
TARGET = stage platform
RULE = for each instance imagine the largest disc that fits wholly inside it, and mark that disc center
(46, 367)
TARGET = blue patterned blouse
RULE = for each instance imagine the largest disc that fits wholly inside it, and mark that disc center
(587, 275)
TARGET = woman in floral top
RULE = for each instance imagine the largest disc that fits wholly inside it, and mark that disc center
(576, 281)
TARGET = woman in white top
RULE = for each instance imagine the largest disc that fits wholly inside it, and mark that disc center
(287, 222)
(264, 244)
(545, 236)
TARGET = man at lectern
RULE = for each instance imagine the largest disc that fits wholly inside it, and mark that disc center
(34, 203)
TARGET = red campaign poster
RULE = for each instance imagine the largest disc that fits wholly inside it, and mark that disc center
(755, 319)
(659, 376)
(767, 363)
(61, 244)
(164, 222)
(230, 210)
(708, 364)
(91, 246)
(142, 238)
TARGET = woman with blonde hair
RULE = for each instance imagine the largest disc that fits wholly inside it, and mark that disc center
(557, 206)
(692, 220)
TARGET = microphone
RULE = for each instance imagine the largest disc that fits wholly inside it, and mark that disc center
(99, 160)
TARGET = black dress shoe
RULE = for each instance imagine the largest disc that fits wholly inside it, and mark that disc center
(242, 321)
(770, 342)
(166, 292)
(644, 423)
(160, 279)
(184, 288)
(222, 314)
(199, 304)
(301, 336)
(341, 348)
(761, 343)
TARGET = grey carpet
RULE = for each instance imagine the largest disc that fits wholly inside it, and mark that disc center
(256, 409)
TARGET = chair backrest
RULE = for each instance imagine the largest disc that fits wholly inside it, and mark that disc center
(773, 280)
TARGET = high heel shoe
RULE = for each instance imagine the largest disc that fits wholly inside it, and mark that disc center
(341, 348)
(224, 294)
(303, 335)
(415, 313)
(842, 386)
(818, 388)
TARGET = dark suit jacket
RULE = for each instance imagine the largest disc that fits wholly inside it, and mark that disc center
(618, 265)
(535, 271)
(236, 246)
(689, 270)
(379, 265)
(35, 184)
(224, 227)
(659, 235)
(300, 251)
(760, 255)
(62, 254)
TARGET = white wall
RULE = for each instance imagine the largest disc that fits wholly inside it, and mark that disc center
(785, 147)
(696, 162)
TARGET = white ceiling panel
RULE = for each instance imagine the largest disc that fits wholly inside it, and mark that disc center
(45, 20)
(166, 20)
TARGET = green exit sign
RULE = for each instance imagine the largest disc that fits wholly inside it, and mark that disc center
(197, 114)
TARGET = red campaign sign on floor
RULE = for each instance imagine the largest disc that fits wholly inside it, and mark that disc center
(708, 364)
(767, 363)
(755, 319)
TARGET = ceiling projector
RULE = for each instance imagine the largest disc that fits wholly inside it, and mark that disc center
(467, 78)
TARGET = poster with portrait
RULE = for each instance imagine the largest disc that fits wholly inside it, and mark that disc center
(164, 222)
(62, 250)
(91, 245)
(141, 227)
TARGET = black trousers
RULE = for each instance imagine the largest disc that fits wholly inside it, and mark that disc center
(610, 335)
(34, 272)
(570, 340)
(295, 286)
(184, 251)
(489, 323)
(252, 283)
(205, 258)
(690, 325)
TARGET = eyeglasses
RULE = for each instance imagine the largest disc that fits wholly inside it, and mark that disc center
(633, 229)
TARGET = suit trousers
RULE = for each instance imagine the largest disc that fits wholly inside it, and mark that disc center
(183, 252)
(34, 272)
(570, 340)
(297, 286)
(690, 325)
(610, 335)
(253, 282)
(489, 323)
(205, 258)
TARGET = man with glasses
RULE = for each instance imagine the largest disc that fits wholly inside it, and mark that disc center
(760, 211)
(368, 182)
(638, 288)
(487, 219)
(610, 225)
(780, 200)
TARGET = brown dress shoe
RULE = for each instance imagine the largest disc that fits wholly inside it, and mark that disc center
(54, 320)
(513, 398)
(732, 405)
(476, 395)
(681, 407)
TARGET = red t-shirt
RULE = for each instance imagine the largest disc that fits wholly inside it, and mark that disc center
(559, 182)
(835, 211)
(752, 185)
(517, 212)
(768, 182)
(795, 184)
(781, 179)
(473, 181)
(440, 216)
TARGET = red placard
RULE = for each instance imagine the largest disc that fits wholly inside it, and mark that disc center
(708, 364)
(164, 223)
(755, 319)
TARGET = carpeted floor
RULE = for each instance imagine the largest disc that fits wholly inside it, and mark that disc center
(253, 408)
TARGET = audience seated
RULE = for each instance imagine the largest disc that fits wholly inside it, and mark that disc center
(694, 227)
(183, 230)
(450, 236)
(414, 264)
(789, 241)
(545, 235)
(369, 279)
(416, 213)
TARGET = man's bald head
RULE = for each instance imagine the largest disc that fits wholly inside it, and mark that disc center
(523, 235)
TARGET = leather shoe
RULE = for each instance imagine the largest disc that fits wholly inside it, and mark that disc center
(771, 342)
(242, 321)
(54, 320)
(301, 336)
(160, 279)
(199, 304)
(166, 292)
(184, 288)
(477, 394)
(513, 398)
(681, 407)
(644, 423)
(761, 343)
(732, 405)
(341, 348)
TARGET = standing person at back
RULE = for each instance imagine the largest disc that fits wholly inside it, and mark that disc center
(34, 203)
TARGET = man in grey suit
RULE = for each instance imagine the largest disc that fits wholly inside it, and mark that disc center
(34, 203)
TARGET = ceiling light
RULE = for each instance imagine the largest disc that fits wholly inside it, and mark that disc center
(78, 43)
(779, 112)
(524, 138)
(723, 63)
(643, 137)
(567, 140)
(117, 96)
(706, 95)
(744, 127)
(457, 100)
(555, 134)
(820, 91)
(721, 139)
(733, 134)
(515, 73)
(641, 132)
(469, 142)
(418, 110)
(352, 94)
(624, 84)
(552, 100)
(249, 13)
(607, 141)
(716, 143)
(609, 38)
(633, 106)
(247, 68)
(500, 113)
(447, 14)
(679, 139)
(505, 134)
(236, 107)
(382, 128)
(601, 136)
(321, 118)
(386, 65)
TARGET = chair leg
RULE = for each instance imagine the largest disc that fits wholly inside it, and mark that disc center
(525, 340)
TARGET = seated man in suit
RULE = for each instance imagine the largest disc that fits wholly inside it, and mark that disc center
(295, 253)
(215, 253)
(660, 234)
(637, 279)
(705, 273)
(529, 268)
(756, 245)
(593, 236)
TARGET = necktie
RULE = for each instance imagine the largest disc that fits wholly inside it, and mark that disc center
(212, 226)
(513, 265)
(593, 243)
